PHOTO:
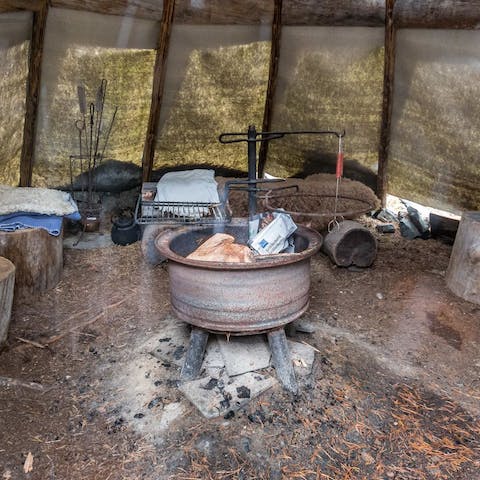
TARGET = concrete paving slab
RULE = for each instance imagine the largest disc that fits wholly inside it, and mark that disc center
(217, 396)
(302, 357)
(88, 241)
(172, 344)
(213, 355)
(245, 354)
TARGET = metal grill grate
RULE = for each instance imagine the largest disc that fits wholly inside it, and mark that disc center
(152, 212)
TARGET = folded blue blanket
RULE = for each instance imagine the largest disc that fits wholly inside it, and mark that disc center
(51, 223)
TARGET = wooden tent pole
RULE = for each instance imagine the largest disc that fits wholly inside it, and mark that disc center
(157, 89)
(33, 93)
(272, 82)
(388, 84)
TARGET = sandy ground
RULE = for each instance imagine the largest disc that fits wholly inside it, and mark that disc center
(394, 392)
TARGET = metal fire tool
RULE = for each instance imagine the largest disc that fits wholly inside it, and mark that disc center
(338, 174)
(92, 144)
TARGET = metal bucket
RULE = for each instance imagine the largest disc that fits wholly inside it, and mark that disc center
(239, 298)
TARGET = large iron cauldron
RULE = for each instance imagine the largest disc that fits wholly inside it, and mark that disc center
(239, 298)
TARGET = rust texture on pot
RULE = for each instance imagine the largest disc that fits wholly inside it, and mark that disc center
(240, 298)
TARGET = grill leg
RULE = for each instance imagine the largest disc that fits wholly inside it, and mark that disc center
(195, 352)
(281, 360)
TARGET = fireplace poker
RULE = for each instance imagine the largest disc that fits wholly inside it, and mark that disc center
(338, 174)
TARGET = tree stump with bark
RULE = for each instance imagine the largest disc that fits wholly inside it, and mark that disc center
(350, 243)
(463, 273)
(7, 280)
(38, 260)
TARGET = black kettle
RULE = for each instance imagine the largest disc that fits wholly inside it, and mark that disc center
(124, 229)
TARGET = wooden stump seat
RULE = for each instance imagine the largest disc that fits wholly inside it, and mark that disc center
(463, 273)
(38, 260)
(7, 279)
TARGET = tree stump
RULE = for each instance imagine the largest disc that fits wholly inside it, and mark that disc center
(463, 273)
(7, 280)
(38, 260)
(350, 244)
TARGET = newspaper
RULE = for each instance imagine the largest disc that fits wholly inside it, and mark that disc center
(276, 236)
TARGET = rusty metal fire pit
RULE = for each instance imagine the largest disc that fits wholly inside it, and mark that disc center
(238, 298)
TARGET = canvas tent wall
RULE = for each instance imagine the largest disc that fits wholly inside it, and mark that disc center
(15, 30)
(330, 68)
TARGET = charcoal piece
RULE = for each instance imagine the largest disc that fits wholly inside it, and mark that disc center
(385, 228)
(258, 416)
(245, 442)
(154, 402)
(225, 403)
(243, 392)
(212, 383)
(139, 415)
(229, 414)
(178, 352)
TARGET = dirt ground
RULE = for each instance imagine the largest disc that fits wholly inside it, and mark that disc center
(394, 392)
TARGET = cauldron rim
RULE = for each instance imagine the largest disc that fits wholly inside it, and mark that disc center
(314, 242)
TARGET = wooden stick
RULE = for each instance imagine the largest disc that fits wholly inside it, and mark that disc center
(33, 94)
(311, 346)
(157, 90)
(31, 342)
(388, 82)
(55, 338)
(272, 83)
(13, 382)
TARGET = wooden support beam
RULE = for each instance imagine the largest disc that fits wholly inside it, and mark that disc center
(33, 93)
(157, 89)
(388, 84)
(272, 83)
(447, 14)
(18, 5)
(352, 13)
(219, 12)
(149, 9)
